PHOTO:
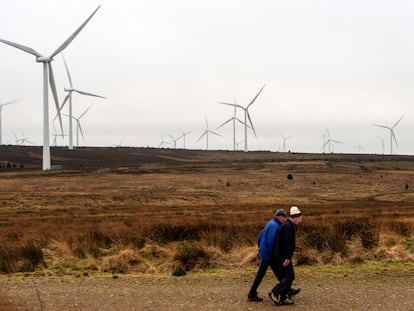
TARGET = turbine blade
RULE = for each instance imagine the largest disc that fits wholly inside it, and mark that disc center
(22, 47)
(234, 105)
(64, 101)
(89, 94)
(398, 121)
(251, 123)
(224, 123)
(80, 130)
(393, 136)
(69, 40)
(85, 112)
(11, 102)
(242, 122)
(61, 107)
(67, 71)
(202, 135)
(55, 96)
(216, 133)
(324, 145)
(383, 126)
(255, 97)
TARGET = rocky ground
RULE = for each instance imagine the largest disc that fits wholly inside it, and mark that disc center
(349, 289)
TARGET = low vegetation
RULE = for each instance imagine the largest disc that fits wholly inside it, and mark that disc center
(181, 216)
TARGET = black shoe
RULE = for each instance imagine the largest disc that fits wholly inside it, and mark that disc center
(275, 298)
(292, 292)
(254, 298)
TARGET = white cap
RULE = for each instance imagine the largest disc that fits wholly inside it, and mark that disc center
(294, 212)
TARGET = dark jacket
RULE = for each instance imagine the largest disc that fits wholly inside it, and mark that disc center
(266, 240)
(285, 241)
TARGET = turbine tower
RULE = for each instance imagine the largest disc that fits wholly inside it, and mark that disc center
(1, 108)
(392, 135)
(246, 116)
(69, 97)
(48, 75)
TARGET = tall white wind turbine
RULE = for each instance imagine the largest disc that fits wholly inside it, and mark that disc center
(48, 75)
(78, 125)
(206, 132)
(234, 119)
(1, 108)
(391, 129)
(247, 120)
(69, 97)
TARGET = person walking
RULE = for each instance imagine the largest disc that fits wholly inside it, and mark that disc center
(266, 243)
(284, 249)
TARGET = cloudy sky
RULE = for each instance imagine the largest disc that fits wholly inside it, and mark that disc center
(163, 65)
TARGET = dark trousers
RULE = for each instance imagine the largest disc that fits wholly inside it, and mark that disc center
(264, 264)
(285, 275)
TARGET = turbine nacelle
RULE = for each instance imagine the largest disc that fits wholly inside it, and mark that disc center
(44, 59)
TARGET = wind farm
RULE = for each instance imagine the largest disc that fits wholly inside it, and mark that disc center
(210, 116)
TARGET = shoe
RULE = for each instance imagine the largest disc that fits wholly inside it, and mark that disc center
(292, 292)
(287, 301)
(254, 298)
(275, 298)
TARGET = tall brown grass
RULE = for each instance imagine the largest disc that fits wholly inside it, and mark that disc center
(161, 247)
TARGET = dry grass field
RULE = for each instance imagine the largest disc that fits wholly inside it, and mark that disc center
(143, 210)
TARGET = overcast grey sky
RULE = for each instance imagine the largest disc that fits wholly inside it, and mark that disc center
(163, 66)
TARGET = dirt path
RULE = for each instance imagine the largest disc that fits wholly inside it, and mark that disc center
(381, 289)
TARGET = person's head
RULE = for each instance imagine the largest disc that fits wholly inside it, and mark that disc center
(295, 215)
(281, 215)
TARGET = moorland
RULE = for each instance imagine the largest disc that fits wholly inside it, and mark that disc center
(170, 211)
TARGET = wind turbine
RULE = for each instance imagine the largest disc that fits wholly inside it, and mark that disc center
(23, 140)
(234, 119)
(1, 108)
(48, 75)
(392, 135)
(330, 142)
(206, 132)
(174, 140)
(360, 148)
(185, 134)
(382, 144)
(69, 97)
(78, 125)
(284, 141)
(163, 143)
(246, 116)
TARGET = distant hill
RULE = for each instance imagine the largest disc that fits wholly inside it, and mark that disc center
(30, 157)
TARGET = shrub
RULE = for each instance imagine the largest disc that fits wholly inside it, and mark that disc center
(190, 254)
(401, 228)
(20, 258)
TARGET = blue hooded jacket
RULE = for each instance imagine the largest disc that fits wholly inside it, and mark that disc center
(266, 240)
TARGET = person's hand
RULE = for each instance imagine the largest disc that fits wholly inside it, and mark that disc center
(286, 262)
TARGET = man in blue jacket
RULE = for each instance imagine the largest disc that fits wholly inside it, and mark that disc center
(266, 243)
